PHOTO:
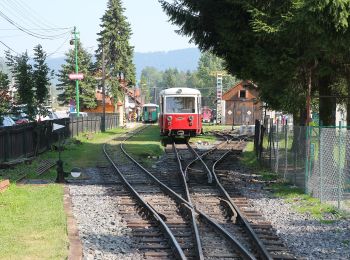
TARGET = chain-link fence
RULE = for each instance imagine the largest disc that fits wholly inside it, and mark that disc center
(315, 159)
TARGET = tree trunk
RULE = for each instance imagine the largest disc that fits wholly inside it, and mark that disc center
(348, 100)
(327, 102)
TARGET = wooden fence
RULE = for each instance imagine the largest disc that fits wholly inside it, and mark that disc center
(27, 140)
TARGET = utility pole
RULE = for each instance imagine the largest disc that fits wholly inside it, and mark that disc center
(155, 97)
(103, 123)
(77, 108)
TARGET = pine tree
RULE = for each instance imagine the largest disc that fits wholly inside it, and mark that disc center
(41, 77)
(87, 86)
(23, 74)
(114, 39)
(4, 94)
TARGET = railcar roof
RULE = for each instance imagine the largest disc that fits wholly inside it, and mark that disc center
(177, 91)
(150, 105)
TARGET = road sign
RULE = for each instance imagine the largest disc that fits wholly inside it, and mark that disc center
(74, 76)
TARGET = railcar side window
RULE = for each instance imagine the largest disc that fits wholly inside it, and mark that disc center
(180, 105)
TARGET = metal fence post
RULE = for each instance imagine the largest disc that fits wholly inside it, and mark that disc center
(320, 162)
(286, 150)
(277, 148)
(339, 164)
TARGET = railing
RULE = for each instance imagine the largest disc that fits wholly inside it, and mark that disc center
(28, 140)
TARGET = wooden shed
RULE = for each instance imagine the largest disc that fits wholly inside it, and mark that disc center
(242, 106)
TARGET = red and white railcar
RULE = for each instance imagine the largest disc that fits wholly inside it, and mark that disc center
(180, 112)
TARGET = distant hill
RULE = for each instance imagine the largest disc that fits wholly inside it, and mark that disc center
(183, 60)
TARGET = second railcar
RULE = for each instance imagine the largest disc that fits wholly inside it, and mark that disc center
(180, 112)
(150, 113)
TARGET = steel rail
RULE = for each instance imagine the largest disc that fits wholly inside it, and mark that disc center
(259, 244)
(198, 157)
(237, 245)
(174, 244)
(191, 212)
(181, 201)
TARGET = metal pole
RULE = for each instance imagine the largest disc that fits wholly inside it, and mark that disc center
(286, 150)
(76, 71)
(103, 123)
(154, 93)
(339, 164)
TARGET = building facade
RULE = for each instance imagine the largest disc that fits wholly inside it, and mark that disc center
(242, 106)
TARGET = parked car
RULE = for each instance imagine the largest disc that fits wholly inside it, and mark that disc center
(20, 118)
(81, 114)
(7, 121)
(59, 114)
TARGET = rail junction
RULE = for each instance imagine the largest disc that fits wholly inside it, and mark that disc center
(193, 210)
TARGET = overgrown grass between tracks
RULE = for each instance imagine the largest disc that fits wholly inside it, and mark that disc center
(146, 146)
(300, 201)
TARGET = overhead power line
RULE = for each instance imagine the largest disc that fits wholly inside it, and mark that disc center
(36, 35)
(9, 47)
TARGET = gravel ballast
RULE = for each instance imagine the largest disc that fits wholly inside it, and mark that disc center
(102, 230)
(104, 233)
(306, 237)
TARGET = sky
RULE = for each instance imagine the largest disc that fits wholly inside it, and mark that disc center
(150, 27)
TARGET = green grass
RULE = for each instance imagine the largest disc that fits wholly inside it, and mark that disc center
(33, 223)
(146, 145)
(304, 203)
(211, 127)
(206, 137)
(32, 218)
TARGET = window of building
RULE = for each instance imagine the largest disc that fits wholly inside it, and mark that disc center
(242, 94)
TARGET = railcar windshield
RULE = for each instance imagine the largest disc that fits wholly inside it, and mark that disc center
(180, 105)
(149, 109)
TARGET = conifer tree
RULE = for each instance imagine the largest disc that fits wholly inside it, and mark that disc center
(87, 86)
(23, 74)
(41, 77)
(4, 94)
(114, 39)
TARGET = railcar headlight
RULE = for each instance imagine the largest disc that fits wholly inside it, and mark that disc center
(170, 118)
(190, 118)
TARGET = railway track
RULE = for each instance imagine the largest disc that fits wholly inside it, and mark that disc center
(255, 229)
(185, 218)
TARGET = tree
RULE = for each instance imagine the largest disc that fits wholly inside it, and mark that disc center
(23, 74)
(281, 45)
(114, 41)
(150, 80)
(87, 86)
(4, 95)
(41, 78)
(208, 66)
